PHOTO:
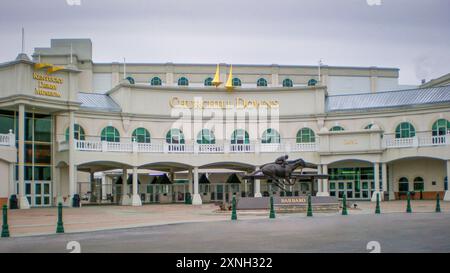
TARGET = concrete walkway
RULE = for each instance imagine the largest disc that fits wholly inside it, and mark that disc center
(39, 221)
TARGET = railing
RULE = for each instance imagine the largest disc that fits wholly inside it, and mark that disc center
(209, 148)
(305, 147)
(422, 139)
(86, 145)
(149, 148)
(8, 139)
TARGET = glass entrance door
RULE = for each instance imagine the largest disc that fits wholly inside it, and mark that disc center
(41, 193)
(179, 193)
(38, 193)
(352, 189)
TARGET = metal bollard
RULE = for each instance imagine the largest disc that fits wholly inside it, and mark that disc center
(309, 211)
(272, 210)
(5, 227)
(60, 225)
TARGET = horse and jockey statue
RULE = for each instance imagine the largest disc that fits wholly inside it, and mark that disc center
(281, 172)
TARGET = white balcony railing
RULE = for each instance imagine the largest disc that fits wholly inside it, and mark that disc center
(305, 147)
(209, 148)
(423, 139)
(8, 139)
(86, 145)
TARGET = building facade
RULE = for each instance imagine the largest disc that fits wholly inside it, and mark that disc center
(146, 133)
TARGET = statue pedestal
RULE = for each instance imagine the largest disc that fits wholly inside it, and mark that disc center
(196, 199)
(447, 196)
(322, 193)
(374, 196)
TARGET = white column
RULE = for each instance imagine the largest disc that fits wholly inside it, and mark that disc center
(72, 168)
(257, 187)
(103, 186)
(326, 189)
(23, 201)
(447, 192)
(196, 199)
(190, 181)
(12, 184)
(125, 197)
(384, 179)
(376, 178)
(319, 181)
(324, 185)
(391, 183)
(135, 200)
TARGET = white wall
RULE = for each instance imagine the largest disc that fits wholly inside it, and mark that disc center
(348, 85)
(4, 182)
(387, 84)
(101, 82)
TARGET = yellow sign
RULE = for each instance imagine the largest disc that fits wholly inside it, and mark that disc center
(241, 103)
(47, 85)
(350, 142)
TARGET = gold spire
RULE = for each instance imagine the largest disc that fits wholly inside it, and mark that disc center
(54, 68)
(229, 84)
(216, 81)
(41, 65)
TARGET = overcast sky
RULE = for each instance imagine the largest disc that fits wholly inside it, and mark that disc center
(413, 35)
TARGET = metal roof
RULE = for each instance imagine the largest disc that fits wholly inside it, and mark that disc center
(391, 99)
(96, 101)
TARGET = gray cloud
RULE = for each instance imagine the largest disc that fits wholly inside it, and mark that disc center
(410, 34)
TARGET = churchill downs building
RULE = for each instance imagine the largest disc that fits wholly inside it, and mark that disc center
(160, 133)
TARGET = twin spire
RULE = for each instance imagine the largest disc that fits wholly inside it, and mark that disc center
(216, 81)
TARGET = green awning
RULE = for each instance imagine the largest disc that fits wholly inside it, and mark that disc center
(129, 180)
(204, 180)
(161, 180)
(233, 179)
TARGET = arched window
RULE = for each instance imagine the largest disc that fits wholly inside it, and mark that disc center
(236, 82)
(206, 136)
(270, 136)
(141, 135)
(441, 127)
(78, 133)
(336, 128)
(240, 136)
(287, 83)
(175, 136)
(110, 134)
(369, 126)
(183, 81)
(305, 135)
(403, 184)
(405, 130)
(419, 185)
(208, 81)
(261, 82)
(130, 80)
(156, 81)
(312, 82)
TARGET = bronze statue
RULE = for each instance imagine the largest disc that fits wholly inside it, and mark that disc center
(281, 172)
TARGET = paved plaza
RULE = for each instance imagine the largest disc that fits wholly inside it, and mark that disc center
(41, 221)
(393, 232)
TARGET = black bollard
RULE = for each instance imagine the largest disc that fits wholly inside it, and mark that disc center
(5, 227)
(59, 225)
